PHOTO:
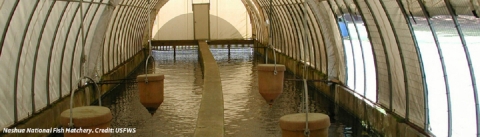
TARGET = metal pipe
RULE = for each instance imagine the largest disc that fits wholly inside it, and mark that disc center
(363, 58)
(271, 37)
(351, 45)
(83, 56)
(312, 80)
(402, 58)
(91, 2)
(307, 130)
(5, 30)
(2, 40)
(97, 89)
(420, 58)
(109, 36)
(146, 67)
(469, 60)
(35, 58)
(280, 19)
(149, 26)
(47, 82)
(305, 40)
(371, 48)
(119, 38)
(361, 48)
(442, 61)
(19, 55)
(316, 34)
(72, 94)
(88, 30)
(417, 49)
(270, 41)
(353, 53)
(15, 85)
(295, 18)
(64, 49)
(384, 50)
(343, 42)
(149, 47)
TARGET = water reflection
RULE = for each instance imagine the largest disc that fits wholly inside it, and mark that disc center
(178, 113)
(246, 113)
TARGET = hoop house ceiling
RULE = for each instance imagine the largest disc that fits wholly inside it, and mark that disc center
(414, 58)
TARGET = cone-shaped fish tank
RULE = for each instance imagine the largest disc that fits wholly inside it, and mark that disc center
(270, 81)
(150, 87)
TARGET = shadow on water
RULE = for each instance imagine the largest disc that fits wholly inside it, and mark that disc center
(246, 113)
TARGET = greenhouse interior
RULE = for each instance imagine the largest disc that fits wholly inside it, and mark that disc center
(329, 68)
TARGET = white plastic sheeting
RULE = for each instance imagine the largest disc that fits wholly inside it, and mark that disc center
(400, 86)
(461, 92)
(334, 44)
(126, 32)
(228, 20)
(6, 94)
(26, 75)
(234, 12)
(414, 87)
(184, 23)
(93, 38)
(41, 48)
(435, 7)
(434, 77)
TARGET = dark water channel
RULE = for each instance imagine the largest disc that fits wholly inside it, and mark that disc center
(246, 113)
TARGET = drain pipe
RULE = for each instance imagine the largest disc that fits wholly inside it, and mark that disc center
(73, 93)
(149, 47)
(305, 47)
(97, 89)
(146, 62)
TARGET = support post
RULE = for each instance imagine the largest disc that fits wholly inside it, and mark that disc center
(174, 51)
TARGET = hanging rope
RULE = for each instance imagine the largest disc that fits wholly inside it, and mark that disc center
(305, 87)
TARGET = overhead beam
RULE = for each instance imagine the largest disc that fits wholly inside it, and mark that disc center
(220, 42)
(195, 42)
(92, 2)
(173, 42)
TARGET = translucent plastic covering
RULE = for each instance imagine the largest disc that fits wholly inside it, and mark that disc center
(228, 20)
(334, 44)
(417, 59)
(435, 7)
(381, 44)
(41, 47)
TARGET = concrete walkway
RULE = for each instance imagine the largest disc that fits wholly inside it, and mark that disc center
(210, 121)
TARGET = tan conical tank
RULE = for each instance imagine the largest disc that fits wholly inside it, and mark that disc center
(270, 85)
(87, 117)
(151, 92)
(293, 125)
